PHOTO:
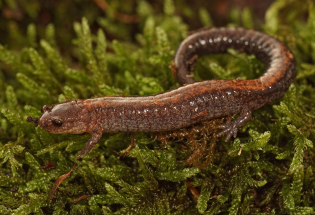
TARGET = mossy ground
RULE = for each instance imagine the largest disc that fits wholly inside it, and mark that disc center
(268, 169)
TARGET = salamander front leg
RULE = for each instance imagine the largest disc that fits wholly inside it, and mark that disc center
(131, 146)
(230, 128)
(96, 136)
(90, 144)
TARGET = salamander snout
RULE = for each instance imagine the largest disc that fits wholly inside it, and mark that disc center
(53, 124)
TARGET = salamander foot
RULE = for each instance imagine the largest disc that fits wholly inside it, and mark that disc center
(230, 128)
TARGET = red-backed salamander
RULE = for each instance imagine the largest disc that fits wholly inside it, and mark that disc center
(192, 103)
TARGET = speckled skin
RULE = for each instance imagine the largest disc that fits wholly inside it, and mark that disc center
(189, 104)
(239, 96)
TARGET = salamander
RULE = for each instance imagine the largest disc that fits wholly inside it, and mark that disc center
(189, 104)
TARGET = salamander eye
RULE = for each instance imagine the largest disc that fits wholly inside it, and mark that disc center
(57, 121)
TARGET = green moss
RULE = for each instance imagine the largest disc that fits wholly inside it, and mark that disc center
(268, 169)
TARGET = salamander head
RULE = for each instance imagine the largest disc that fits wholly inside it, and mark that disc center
(63, 118)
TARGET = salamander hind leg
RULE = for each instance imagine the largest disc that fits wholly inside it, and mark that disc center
(230, 127)
(96, 136)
